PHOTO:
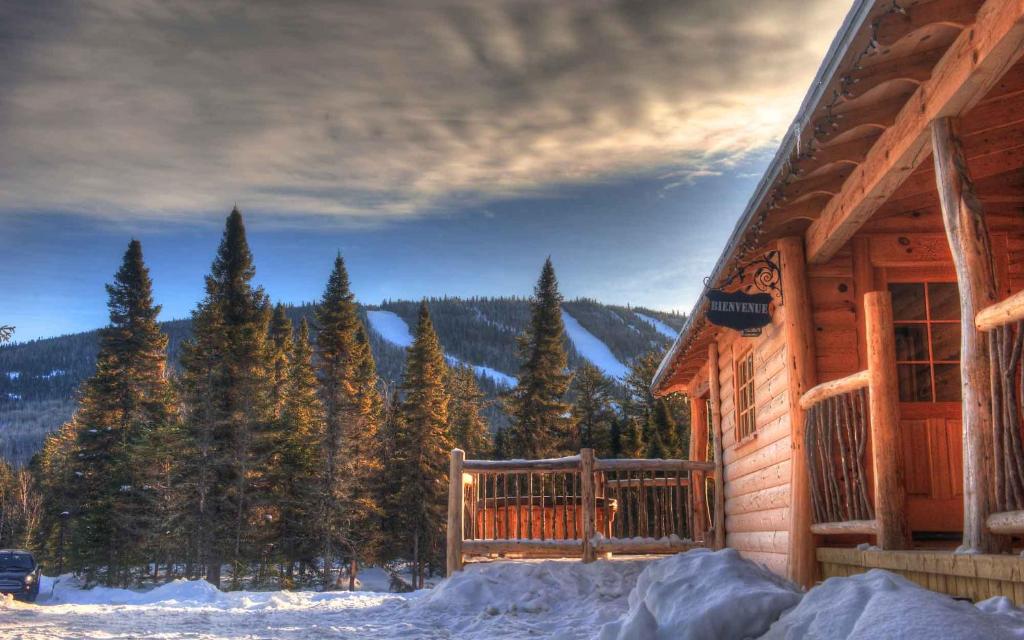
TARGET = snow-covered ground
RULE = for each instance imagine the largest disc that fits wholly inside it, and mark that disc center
(658, 325)
(591, 348)
(392, 328)
(692, 596)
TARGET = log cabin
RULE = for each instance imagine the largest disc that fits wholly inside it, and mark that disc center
(880, 401)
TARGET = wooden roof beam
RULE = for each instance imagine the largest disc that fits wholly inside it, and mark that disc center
(896, 26)
(880, 115)
(972, 65)
(915, 68)
(852, 152)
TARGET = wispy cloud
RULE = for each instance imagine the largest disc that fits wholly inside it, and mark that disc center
(389, 108)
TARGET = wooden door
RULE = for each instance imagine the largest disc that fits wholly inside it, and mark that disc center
(927, 325)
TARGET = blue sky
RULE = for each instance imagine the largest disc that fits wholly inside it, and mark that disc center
(443, 147)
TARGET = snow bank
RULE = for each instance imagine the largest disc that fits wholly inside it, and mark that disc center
(703, 594)
(658, 325)
(553, 598)
(68, 590)
(588, 346)
(879, 604)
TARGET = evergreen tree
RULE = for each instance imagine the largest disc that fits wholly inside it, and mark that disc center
(423, 444)
(540, 417)
(664, 423)
(126, 397)
(466, 424)
(350, 450)
(295, 492)
(631, 439)
(280, 354)
(228, 392)
(593, 413)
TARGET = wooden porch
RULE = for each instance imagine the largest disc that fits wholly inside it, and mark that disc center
(580, 506)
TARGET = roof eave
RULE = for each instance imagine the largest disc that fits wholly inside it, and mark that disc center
(840, 46)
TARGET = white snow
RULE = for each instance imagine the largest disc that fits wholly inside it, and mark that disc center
(13, 375)
(588, 346)
(879, 604)
(658, 325)
(698, 595)
(515, 600)
(392, 328)
(54, 373)
(703, 594)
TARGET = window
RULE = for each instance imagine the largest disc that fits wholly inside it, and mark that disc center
(745, 423)
(927, 324)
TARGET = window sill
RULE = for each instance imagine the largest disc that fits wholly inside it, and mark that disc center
(746, 442)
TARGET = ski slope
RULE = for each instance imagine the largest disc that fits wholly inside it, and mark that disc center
(392, 328)
(592, 349)
(658, 325)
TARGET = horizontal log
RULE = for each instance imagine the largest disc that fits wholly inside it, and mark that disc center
(1001, 313)
(652, 465)
(833, 388)
(646, 482)
(485, 547)
(869, 527)
(569, 463)
(643, 545)
(1006, 522)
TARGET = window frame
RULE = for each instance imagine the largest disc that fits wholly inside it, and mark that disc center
(928, 323)
(746, 416)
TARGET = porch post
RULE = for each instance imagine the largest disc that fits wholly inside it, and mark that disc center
(800, 362)
(698, 451)
(969, 242)
(884, 409)
(716, 434)
(456, 511)
(587, 496)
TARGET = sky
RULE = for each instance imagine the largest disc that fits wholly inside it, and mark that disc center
(443, 147)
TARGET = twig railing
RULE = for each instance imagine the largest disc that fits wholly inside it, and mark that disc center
(572, 506)
(840, 415)
(835, 437)
(1004, 324)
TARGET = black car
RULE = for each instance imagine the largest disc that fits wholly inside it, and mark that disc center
(19, 574)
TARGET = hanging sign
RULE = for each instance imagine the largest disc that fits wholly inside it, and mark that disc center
(744, 312)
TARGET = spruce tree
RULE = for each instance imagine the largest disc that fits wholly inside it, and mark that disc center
(664, 422)
(423, 445)
(350, 447)
(540, 417)
(593, 413)
(126, 397)
(297, 465)
(468, 427)
(228, 393)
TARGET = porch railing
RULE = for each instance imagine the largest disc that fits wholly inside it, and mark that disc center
(573, 506)
(839, 417)
(1004, 325)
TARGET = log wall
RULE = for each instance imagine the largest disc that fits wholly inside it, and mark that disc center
(757, 470)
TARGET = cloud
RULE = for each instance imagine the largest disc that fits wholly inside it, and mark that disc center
(389, 108)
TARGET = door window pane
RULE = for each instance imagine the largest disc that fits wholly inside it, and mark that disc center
(943, 301)
(947, 382)
(908, 301)
(915, 382)
(945, 342)
(912, 342)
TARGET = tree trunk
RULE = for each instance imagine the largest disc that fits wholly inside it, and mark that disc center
(969, 242)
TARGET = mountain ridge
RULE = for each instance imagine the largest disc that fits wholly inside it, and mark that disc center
(39, 378)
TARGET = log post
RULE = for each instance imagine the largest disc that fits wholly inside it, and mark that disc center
(456, 511)
(698, 451)
(971, 246)
(589, 503)
(884, 409)
(716, 436)
(798, 327)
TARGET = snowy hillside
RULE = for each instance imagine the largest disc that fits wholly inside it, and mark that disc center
(592, 349)
(699, 595)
